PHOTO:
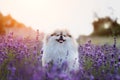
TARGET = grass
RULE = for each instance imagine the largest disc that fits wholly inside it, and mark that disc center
(99, 40)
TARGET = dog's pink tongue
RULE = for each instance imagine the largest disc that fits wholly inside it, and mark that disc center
(60, 41)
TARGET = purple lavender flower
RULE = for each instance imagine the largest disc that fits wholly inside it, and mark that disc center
(20, 59)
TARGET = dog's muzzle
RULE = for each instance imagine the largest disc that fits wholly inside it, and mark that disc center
(60, 40)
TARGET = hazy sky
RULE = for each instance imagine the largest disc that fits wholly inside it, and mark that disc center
(47, 15)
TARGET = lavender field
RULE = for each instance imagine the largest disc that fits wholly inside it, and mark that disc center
(20, 59)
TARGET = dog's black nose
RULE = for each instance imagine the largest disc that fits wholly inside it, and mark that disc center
(61, 37)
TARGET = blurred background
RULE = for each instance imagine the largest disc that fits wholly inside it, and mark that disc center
(95, 20)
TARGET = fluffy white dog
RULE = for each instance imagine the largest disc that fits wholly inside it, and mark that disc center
(60, 47)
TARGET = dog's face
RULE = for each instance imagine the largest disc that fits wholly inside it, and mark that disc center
(60, 36)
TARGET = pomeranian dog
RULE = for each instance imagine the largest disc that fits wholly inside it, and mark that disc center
(60, 47)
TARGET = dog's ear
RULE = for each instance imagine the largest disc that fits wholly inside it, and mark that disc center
(69, 35)
(53, 34)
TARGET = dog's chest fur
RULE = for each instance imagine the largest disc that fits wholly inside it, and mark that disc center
(59, 52)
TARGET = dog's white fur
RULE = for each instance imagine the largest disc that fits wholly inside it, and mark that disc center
(57, 52)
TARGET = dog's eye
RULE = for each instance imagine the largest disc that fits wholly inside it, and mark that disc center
(57, 34)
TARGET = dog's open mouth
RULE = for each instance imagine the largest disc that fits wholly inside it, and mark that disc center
(60, 40)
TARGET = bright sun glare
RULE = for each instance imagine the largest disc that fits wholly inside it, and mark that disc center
(47, 15)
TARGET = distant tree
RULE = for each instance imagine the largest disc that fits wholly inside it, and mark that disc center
(106, 27)
(2, 31)
(7, 23)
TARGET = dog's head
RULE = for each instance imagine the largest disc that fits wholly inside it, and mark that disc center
(59, 36)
